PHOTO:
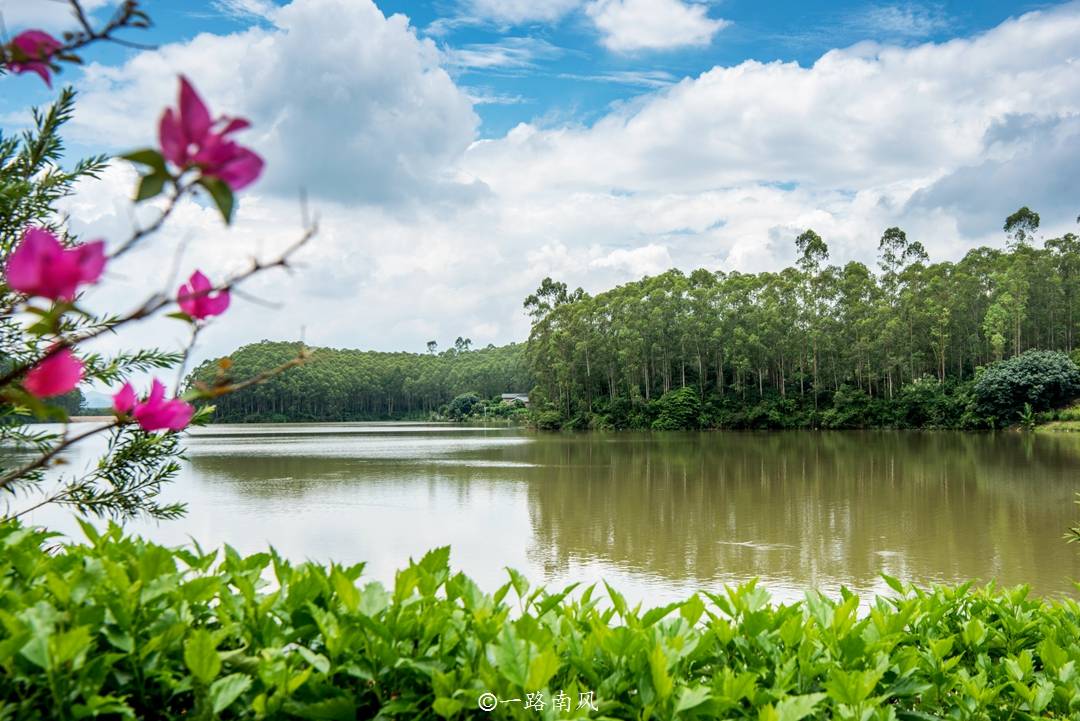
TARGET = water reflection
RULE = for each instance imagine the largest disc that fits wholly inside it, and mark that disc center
(659, 515)
(811, 509)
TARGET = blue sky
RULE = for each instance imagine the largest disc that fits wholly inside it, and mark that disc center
(562, 71)
(459, 151)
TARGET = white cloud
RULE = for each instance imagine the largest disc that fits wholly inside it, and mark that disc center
(640, 78)
(868, 116)
(718, 171)
(44, 14)
(512, 52)
(245, 9)
(519, 11)
(480, 95)
(910, 20)
(629, 25)
(345, 102)
(649, 259)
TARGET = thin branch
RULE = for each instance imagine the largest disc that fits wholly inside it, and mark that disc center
(44, 458)
(174, 199)
(157, 302)
(195, 330)
(128, 15)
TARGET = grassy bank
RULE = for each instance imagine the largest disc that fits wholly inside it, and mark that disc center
(122, 628)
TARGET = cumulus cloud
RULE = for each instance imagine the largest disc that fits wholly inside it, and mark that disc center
(346, 103)
(649, 259)
(865, 116)
(1029, 158)
(717, 171)
(629, 25)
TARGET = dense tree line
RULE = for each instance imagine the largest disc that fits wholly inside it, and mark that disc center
(342, 385)
(809, 345)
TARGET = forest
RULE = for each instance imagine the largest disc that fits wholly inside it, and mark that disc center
(908, 344)
(902, 345)
(353, 385)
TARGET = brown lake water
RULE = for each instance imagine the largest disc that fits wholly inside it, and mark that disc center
(656, 515)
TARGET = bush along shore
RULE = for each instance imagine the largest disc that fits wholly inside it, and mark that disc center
(119, 627)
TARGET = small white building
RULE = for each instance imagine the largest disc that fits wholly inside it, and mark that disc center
(512, 398)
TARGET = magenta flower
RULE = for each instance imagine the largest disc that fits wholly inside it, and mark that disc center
(125, 399)
(30, 52)
(195, 298)
(41, 266)
(191, 138)
(155, 413)
(56, 375)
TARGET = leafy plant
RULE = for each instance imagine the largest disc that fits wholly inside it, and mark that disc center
(44, 330)
(122, 628)
(1027, 417)
(678, 410)
(1037, 379)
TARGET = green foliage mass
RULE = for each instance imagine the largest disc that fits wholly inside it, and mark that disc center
(678, 409)
(1038, 379)
(347, 385)
(463, 405)
(816, 345)
(123, 628)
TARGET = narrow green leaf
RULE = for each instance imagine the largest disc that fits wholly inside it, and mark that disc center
(227, 689)
(661, 679)
(795, 708)
(150, 186)
(201, 656)
(148, 157)
(346, 590)
(692, 697)
(222, 196)
(541, 668)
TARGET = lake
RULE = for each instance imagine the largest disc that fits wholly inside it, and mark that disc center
(656, 515)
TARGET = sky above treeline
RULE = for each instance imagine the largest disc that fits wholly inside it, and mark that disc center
(458, 151)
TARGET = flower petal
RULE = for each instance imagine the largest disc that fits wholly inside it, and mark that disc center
(171, 137)
(124, 399)
(91, 258)
(194, 115)
(58, 374)
(242, 169)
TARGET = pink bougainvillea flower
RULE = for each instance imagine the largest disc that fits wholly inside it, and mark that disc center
(41, 266)
(124, 400)
(56, 375)
(191, 138)
(155, 413)
(195, 298)
(31, 51)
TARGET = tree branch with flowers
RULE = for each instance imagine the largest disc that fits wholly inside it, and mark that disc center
(44, 328)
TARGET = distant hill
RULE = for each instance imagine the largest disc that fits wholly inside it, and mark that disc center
(94, 399)
(353, 385)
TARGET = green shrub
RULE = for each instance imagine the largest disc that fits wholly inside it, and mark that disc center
(1045, 379)
(123, 628)
(850, 409)
(678, 410)
(548, 420)
(463, 406)
(928, 403)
